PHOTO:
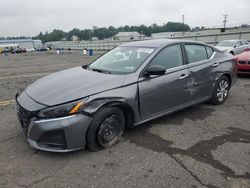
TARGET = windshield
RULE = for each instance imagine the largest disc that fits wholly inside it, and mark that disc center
(226, 43)
(121, 60)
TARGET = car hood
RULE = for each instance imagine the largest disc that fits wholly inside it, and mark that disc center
(245, 56)
(71, 84)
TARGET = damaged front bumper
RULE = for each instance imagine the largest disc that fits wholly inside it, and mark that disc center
(60, 134)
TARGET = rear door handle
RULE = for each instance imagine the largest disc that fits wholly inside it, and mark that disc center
(183, 76)
(215, 64)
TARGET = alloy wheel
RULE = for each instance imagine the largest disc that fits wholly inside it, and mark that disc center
(222, 90)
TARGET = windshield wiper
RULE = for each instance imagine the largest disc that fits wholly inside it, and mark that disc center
(100, 70)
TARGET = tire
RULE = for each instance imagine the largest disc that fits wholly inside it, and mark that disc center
(221, 91)
(231, 52)
(106, 128)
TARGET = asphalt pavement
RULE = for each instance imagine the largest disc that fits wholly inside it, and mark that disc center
(202, 146)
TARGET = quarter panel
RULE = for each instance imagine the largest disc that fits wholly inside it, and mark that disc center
(227, 65)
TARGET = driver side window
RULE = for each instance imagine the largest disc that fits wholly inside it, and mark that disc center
(169, 57)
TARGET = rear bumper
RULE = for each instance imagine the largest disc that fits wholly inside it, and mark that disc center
(60, 134)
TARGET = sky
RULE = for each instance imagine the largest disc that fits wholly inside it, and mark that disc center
(29, 17)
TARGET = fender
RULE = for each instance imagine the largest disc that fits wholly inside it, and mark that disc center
(93, 106)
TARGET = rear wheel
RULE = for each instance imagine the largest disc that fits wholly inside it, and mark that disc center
(106, 128)
(221, 91)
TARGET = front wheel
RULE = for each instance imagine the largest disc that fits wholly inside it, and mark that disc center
(106, 128)
(221, 91)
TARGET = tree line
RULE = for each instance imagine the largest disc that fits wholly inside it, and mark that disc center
(107, 32)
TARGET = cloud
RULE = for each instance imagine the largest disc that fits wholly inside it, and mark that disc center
(29, 17)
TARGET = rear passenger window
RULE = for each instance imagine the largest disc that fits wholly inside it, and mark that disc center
(210, 51)
(244, 42)
(196, 53)
(169, 57)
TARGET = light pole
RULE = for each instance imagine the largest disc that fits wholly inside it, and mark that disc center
(225, 21)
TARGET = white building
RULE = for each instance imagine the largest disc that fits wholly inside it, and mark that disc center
(28, 44)
(185, 34)
(7, 47)
(195, 33)
(75, 38)
(125, 36)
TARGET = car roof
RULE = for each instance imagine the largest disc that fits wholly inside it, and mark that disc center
(156, 43)
(234, 40)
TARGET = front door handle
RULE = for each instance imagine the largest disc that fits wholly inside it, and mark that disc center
(215, 64)
(183, 76)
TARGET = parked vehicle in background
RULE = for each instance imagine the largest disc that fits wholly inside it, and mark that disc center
(8, 48)
(30, 50)
(90, 106)
(234, 47)
(49, 46)
(243, 64)
(42, 49)
(18, 50)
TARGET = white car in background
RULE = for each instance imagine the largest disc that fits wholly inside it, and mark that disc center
(30, 49)
(233, 46)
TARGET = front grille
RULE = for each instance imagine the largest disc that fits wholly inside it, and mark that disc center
(24, 117)
(242, 62)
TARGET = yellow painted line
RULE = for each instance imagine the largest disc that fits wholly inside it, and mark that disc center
(6, 103)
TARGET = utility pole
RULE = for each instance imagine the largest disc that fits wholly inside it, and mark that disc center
(225, 21)
(90, 35)
(183, 19)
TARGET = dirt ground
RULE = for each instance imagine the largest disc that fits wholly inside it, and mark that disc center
(202, 146)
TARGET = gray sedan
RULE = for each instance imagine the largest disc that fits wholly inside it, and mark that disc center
(89, 106)
(233, 47)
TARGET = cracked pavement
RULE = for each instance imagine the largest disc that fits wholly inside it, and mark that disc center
(202, 146)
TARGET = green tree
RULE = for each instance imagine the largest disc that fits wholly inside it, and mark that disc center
(103, 32)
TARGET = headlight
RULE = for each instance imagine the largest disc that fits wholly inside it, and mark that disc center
(62, 110)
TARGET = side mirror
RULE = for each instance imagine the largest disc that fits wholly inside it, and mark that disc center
(155, 70)
(236, 45)
(84, 66)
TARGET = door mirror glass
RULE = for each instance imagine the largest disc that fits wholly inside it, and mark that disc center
(155, 70)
